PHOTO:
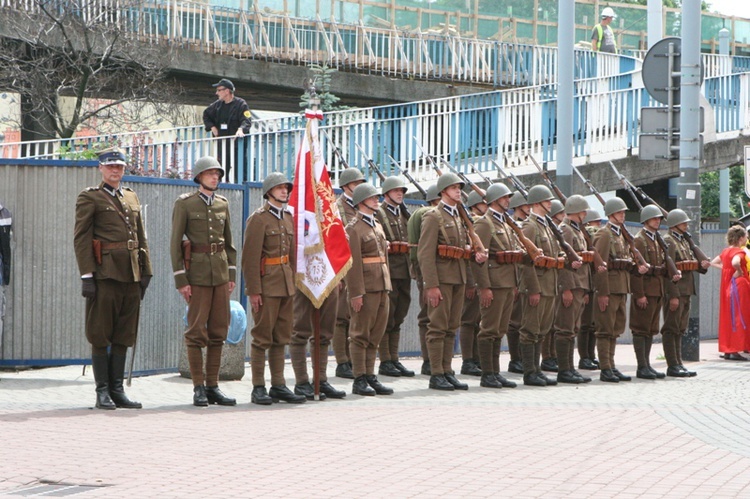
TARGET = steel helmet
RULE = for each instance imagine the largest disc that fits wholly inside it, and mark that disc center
(614, 205)
(649, 212)
(274, 179)
(517, 200)
(608, 12)
(474, 199)
(592, 216)
(495, 192)
(432, 193)
(557, 207)
(362, 192)
(350, 175)
(448, 179)
(676, 217)
(206, 163)
(576, 204)
(393, 183)
(539, 193)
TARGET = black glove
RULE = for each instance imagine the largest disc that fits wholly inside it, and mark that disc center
(88, 287)
(145, 280)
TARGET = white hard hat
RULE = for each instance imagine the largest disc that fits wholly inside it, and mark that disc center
(608, 12)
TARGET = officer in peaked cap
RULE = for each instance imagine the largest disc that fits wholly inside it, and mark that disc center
(115, 266)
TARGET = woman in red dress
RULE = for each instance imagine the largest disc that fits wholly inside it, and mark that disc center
(734, 302)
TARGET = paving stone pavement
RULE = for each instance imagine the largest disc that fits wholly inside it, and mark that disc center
(664, 438)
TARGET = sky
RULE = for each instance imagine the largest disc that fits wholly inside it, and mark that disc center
(739, 8)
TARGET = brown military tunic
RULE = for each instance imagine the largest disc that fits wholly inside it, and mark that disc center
(393, 221)
(442, 225)
(586, 338)
(370, 279)
(414, 229)
(577, 281)
(645, 322)
(340, 342)
(268, 269)
(470, 314)
(676, 322)
(114, 218)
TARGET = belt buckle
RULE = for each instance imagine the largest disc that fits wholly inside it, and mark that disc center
(132, 244)
(214, 248)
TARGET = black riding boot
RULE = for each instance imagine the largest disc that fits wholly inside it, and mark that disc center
(100, 366)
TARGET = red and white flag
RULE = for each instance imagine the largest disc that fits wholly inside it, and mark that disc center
(322, 254)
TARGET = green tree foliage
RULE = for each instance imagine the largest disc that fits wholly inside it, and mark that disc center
(710, 193)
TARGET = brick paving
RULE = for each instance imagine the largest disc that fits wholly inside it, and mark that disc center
(664, 438)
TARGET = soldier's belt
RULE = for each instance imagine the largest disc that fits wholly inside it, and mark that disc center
(687, 265)
(398, 247)
(130, 245)
(277, 260)
(657, 270)
(509, 257)
(452, 252)
(208, 248)
(373, 259)
(549, 262)
(620, 264)
(586, 256)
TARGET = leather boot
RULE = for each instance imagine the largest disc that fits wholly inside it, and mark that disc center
(360, 387)
(529, 370)
(388, 369)
(649, 343)
(571, 362)
(199, 396)
(470, 367)
(506, 383)
(515, 365)
(588, 364)
(116, 390)
(639, 345)
(100, 366)
(565, 373)
(216, 396)
(438, 382)
(281, 392)
(306, 389)
(376, 385)
(620, 376)
(608, 376)
(330, 392)
(489, 381)
(667, 343)
(676, 372)
(451, 378)
(426, 368)
(678, 352)
(537, 358)
(344, 371)
(260, 396)
(405, 372)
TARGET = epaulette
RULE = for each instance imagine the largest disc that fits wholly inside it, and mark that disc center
(128, 189)
(188, 194)
(259, 210)
(95, 188)
(219, 196)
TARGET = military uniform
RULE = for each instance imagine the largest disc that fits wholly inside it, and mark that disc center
(340, 342)
(676, 322)
(204, 221)
(368, 278)
(586, 333)
(414, 229)
(514, 328)
(615, 283)
(442, 225)
(393, 220)
(269, 272)
(644, 322)
(500, 276)
(120, 265)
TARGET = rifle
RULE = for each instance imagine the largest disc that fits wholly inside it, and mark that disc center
(668, 261)
(336, 151)
(406, 174)
(374, 167)
(626, 234)
(697, 251)
(598, 262)
(570, 253)
(465, 215)
(481, 175)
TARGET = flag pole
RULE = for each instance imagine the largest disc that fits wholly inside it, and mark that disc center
(314, 102)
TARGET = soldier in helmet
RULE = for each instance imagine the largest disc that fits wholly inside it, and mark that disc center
(393, 218)
(113, 259)
(204, 267)
(677, 299)
(414, 228)
(497, 282)
(647, 292)
(348, 180)
(538, 290)
(269, 285)
(368, 283)
(470, 317)
(575, 288)
(443, 248)
(549, 350)
(592, 222)
(520, 213)
(611, 288)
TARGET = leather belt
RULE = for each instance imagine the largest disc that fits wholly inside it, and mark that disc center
(278, 260)
(208, 248)
(130, 245)
(373, 259)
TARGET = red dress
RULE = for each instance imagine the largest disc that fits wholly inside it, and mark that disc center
(734, 304)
